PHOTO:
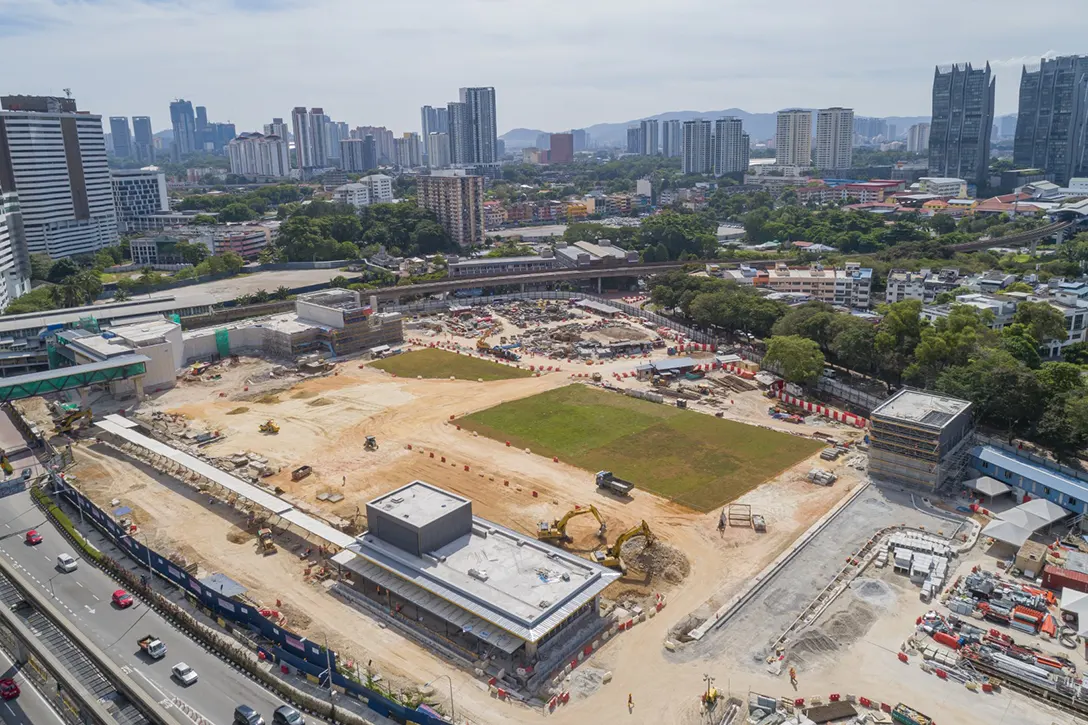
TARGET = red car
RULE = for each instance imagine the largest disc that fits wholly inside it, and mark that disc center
(122, 599)
(9, 690)
(33, 537)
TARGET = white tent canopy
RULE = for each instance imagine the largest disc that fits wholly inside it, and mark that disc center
(987, 486)
(1008, 532)
(1076, 602)
(1044, 509)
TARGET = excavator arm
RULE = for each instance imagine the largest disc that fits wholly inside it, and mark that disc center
(558, 528)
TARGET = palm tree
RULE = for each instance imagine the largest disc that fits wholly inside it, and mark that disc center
(282, 292)
(261, 296)
(120, 295)
(243, 300)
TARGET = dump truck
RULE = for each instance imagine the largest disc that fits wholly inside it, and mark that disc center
(267, 545)
(611, 556)
(153, 646)
(618, 486)
(557, 530)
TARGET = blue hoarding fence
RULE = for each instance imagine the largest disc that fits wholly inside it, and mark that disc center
(288, 648)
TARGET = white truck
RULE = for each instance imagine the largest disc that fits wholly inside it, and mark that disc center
(153, 646)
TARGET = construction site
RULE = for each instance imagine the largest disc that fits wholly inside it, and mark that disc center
(556, 577)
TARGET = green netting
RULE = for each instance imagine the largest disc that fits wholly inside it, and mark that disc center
(56, 360)
(175, 318)
(222, 342)
(88, 323)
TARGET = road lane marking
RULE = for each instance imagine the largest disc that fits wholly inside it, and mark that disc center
(96, 598)
(80, 583)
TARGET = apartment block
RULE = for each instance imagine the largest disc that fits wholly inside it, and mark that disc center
(458, 202)
(848, 287)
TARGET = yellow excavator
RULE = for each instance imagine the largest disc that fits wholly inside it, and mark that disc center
(611, 556)
(264, 536)
(70, 420)
(269, 426)
(557, 530)
(482, 345)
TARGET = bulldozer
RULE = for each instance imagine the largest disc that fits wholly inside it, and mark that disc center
(557, 530)
(371, 444)
(269, 426)
(264, 536)
(610, 557)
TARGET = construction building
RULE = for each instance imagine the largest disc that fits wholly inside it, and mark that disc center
(476, 588)
(333, 321)
(920, 439)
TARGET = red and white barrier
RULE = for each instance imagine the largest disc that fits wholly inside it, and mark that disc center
(832, 413)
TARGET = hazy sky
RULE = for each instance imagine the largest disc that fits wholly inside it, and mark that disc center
(554, 64)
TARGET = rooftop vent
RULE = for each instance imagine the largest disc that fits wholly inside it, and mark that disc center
(397, 499)
(480, 574)
(566, 576)
(544, 604)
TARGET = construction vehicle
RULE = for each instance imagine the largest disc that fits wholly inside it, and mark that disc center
(5, 465)
(267, 545)
(67, 416)
(610, 557)
(759, 523)
(909, 716)
(596, 377)
(557, 530)
(618, 486)
(153, 646)
(482, 345)
(371, 444)
(269, 426)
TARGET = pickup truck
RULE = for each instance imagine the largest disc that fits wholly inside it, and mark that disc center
(618, 486)
(153, 646)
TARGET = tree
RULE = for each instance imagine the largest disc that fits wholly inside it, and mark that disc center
(338, 281)
(237, 212)
(944, 298)
(1020, 287)
(62, 269)
(79, 289)
(1059, 378)
(193, 254)
(1016, 339)
(679, 232)
(1077, 353)
(204, 219)
(261, 296)
(811, 320)
(1043, 321)
(898, 334)
(121, 295)
(232, 263)
(1006, 393)
(37, 300)
(852, 343)
(799, 358)
(40, 264)
(951, 340)
(282, 292)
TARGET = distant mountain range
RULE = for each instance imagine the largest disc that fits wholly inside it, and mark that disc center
(760, 126)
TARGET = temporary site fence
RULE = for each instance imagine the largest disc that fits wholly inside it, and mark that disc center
(286, 649)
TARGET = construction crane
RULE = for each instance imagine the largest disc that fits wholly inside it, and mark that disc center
(611, 556)
(557, 530)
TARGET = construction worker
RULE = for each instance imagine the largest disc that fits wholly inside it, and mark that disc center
(793, 677)
(630, 700)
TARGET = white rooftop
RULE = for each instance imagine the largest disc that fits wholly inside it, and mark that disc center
(915, 406)
(418, 503)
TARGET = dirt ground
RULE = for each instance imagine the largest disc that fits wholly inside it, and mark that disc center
(324, 421)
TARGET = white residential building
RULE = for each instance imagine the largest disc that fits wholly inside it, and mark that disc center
(918, 138)
(649, 137)
(834, 138)
(276, 128)
(942, 186)
(697, 147)
(671, 139)
(256, 155)
(483, 125)
(373, 189)
(924, 285)
(848, 287)
(730, 147)
(408, 150)
(14, 260)
(55, 159)
(438, 150)
(138, 193)
(793, 138)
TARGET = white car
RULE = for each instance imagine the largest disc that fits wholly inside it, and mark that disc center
(66, 563)
(186, 675)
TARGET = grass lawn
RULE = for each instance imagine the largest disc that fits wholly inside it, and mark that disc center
(434, 363)
(691, 458)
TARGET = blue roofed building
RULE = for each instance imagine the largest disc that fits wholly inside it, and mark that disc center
(1033, 479)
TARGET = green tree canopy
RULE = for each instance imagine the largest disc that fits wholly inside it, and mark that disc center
(1042, 320)
(800, 359)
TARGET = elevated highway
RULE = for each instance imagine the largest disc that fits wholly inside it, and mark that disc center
(1020, 239)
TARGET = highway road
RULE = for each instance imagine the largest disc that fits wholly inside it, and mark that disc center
(30, 708)
(84, 597)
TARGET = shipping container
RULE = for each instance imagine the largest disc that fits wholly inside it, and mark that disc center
(1057, 578)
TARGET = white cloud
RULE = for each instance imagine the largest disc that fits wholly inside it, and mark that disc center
(554, 63)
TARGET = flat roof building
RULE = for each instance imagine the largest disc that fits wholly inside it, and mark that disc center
(484, 590)
(920, 439)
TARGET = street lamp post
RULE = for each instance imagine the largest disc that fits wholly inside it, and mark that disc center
(150, 571)
(453, 716)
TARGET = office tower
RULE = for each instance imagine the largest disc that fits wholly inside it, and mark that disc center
(834, 138)
(918, 138)
(370, 153)
(383, 142)
(562, 148)
(730, 147)
(581, 139)
(122, 138)
(438, 150)
(56, 162)
(304, 147)
(697, 147)
(959, 131)
(319, 137)
(460, 134)
(458, 202)
(333, 132)
(138, 193)
(672, 140)
(793, 138)
(218, 135)
(543, 141)
(1007, 128)
(183, 122)
(257, 155)
(14, 259)
(1051, 123)
(204, 141)
(634, 139)
(483, 134)
(277, 128)
(143, 139)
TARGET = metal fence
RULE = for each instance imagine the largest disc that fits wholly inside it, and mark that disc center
(861, 400)
(430, 306)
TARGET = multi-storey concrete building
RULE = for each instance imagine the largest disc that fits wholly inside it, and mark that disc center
(373, 189)
(276, 128)
(918, 138)
(56, 161)
(672, 144)
(924, 285)
(963, 117)
(1053, 118)
(482, 147)
(14, 260)
(143, 139)
(121, 136)
(920, 439)
(138, 193)
(458, 202)
(183, 121)
(943, 186)
(793, 138)
(730, 147)
(561, 148)
(849, 287)
(698, 147)
(834, 138)
(438, 150)
(255, 155)
(649, 138)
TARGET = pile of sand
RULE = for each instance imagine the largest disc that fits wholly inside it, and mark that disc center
(658, 559)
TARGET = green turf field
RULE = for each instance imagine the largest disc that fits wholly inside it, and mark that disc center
(691, 458)
(433, 363)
